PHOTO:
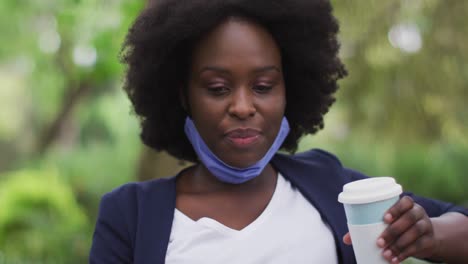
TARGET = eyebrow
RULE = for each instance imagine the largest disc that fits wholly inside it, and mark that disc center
(226, 71)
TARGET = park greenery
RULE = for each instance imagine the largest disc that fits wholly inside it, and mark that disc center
(68, 135)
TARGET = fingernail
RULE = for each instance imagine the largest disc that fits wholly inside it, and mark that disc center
(395, 260)
(388, 217)
(381, 242)
(387, 253)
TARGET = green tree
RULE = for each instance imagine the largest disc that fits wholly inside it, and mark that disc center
(408, 72)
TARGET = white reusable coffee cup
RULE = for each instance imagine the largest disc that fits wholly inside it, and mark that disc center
(365, 202)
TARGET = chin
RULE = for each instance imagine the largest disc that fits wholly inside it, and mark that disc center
(244, 162)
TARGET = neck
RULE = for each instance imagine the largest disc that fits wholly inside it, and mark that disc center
(199, 179)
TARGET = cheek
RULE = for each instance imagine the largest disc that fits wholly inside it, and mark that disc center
(280, 103)
(207, 111)
(276, 109)
(198, 105)
(280, 110)
(206, 115)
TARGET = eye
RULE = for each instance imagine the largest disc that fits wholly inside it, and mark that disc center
(218, 90)
(262, 88)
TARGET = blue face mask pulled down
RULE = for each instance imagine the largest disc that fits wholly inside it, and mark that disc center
(221, 170)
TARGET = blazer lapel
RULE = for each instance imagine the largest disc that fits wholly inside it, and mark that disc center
(152, 237)
(320, 181)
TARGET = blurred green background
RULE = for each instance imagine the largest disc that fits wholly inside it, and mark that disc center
(67, 135)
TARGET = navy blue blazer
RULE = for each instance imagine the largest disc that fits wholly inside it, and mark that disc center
(135, 220)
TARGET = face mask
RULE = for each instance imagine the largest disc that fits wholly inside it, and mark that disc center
(221, 170)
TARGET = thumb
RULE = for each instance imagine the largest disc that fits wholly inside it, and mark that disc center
(347, 239)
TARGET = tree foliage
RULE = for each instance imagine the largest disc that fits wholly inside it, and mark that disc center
(407, 96)
(400, 112)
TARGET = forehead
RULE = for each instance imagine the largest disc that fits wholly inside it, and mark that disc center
(234, 41)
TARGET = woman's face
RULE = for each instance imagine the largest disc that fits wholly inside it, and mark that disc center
(236, 92)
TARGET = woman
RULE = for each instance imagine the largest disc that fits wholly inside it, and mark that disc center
(226, 84)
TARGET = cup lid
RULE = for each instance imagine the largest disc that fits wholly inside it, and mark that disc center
(369, 190)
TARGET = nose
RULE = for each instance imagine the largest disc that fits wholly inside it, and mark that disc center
(242, 104)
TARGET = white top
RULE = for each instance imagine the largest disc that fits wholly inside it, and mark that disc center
(289, 230)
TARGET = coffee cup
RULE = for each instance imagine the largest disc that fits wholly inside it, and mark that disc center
(365, 203)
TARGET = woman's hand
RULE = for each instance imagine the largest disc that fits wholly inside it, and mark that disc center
(409, 232)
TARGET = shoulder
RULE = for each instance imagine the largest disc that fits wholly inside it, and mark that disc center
(135, 188)
(318, 159)
(332, 169)
(318, 155)
(312, 160)
(127, 209)
(125, 203)
(129, 195)
(313, 157)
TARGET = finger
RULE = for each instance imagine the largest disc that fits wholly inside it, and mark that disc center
(408, 238)
(399, 208)
(402, 224)
(424, 243)
(387, 254)
(347, 239)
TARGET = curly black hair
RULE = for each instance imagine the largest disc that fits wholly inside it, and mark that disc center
(158, 47)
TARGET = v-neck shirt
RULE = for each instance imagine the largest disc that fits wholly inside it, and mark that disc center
(289, 230)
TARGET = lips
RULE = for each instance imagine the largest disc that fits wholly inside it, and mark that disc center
(243, 137)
